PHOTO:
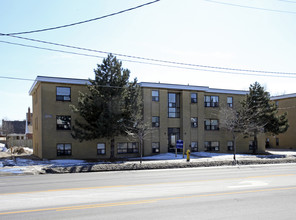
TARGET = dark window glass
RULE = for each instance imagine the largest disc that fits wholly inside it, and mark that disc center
(63, 122)
(194, 123)
(211, 101)
(194, 146)
(155, 95)
(155, 121)
(101, 148)
(211, 124)
(64, 149)
(211, 146)
(174, 105)
(193, 97)
(230, 146)
(63, 94)
(230, 102)
(130, 147)
(155, 147)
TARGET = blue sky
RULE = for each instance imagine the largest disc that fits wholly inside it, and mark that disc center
(247, 36)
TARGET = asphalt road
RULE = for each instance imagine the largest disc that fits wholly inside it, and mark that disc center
(248, 192)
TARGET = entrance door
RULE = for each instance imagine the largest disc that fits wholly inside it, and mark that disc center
(173, 136)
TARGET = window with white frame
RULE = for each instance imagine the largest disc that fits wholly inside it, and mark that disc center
(101, 148)
(230, 101)
(194, 122)
(211, 124)
(127, 148)
(155, 121)
(64, 149)
(211, 101)
(63, 93)
(155, 95)
(194, 146)
(155, 147)
(193, 97)
(211, 145)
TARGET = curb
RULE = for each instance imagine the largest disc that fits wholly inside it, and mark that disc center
(155, 165)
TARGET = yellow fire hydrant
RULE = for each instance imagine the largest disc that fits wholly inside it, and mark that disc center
(188, 155)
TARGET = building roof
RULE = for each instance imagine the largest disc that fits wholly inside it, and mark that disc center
(57, 80)
(142, 84)
(287, 96)
(191, 88)
(13, 127)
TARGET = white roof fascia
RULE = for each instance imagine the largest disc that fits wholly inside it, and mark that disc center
(173, 86)
(58, 80)
(228, 91)
(192, 88)
(293, 95)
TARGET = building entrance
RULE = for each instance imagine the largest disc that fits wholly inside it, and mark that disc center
(173, 136)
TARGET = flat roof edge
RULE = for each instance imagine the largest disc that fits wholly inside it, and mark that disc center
(287, 96)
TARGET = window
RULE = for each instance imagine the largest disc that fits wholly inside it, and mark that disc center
(230, 102)
(63, 122)
(251, 145)
(63, 94)
(230, 145)
(155, 95)
(277, 103)
(193, 97)
(64, 149)
(211, 145)
(277, 142)
(155, 121)
(101, 148)
(211, 124)
(127, 148)
(211, 101)
(194, 147)
(194, 123)
(155, 147)
(174, 105)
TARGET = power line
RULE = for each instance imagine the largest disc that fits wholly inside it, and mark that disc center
(16, 78)
(251, 7)
(49, 49)
(150, 59)
(149, 63)
(82, 22)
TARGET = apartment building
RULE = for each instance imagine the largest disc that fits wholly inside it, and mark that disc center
(189, 113)
(285, 103)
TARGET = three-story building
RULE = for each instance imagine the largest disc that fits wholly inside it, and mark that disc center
(190, 113)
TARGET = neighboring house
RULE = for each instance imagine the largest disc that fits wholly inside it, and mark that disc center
(18, 133)
(287, 140)
(190, 113)
(14, 132)
(29, 129)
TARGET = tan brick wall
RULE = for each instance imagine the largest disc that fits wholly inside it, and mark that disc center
(287, 140)
(46, 136)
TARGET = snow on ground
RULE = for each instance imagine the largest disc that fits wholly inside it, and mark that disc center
(3, 148)
(19, 165)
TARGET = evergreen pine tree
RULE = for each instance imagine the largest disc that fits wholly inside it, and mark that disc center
(260, 114)
(108, 106)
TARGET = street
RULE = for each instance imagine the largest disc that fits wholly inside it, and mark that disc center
(242, 192)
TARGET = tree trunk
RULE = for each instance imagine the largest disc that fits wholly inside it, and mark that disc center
(234, 149)
(141, 150)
